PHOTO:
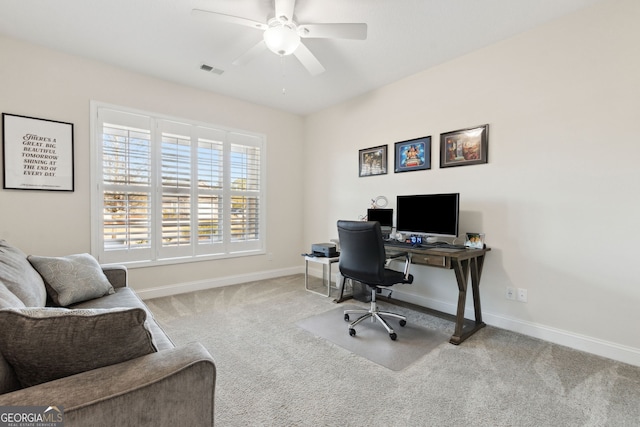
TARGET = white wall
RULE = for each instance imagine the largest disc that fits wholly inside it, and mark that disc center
(558, 200)
(47, 84)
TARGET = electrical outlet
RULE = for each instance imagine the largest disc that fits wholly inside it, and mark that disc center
(522, 295)
(511, 293)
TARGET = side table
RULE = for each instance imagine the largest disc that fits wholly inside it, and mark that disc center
(326, 265)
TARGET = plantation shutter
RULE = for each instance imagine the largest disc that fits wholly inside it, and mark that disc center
(175, 166)
(246, 183)
(210, 190)
(126, 185)
(174, 190)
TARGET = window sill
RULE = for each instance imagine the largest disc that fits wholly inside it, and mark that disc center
(185, 260)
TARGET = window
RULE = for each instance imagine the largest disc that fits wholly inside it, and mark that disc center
(168, 189)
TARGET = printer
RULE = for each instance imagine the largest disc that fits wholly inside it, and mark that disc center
(324, 250)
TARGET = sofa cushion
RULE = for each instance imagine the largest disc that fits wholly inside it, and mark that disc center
(126, 297)
(20, 277)
(44, 344)
(73, 278)
(8, 379)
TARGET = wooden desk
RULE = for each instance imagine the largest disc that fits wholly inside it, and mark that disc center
(465, 263)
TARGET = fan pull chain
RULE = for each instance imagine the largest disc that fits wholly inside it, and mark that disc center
(284, 90)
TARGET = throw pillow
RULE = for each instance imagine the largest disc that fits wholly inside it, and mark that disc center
(44, 344)
(8, 298)
(20, 277)
(72, 279)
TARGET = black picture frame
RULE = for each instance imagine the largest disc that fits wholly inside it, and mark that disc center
(372, 161)
(413, 154)
(37, 154)
(464, 147)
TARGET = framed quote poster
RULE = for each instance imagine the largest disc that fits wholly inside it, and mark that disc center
(37, 154)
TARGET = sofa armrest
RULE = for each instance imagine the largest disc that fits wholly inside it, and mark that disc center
(167, 388)
(117, 274)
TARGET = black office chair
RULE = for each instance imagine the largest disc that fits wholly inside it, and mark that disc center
(363, 259)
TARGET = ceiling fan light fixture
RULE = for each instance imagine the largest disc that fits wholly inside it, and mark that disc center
(281, 39)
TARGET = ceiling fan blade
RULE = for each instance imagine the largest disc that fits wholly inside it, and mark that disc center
(308, 60)
(251, 53)
(333, 31)
(284, 8)
(221, 17)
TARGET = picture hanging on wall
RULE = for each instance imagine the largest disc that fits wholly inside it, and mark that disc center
(37, 154)
(373, 161)
(464, 147)
(413, 155)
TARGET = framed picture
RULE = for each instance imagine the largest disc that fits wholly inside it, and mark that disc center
(464, 147)
(474, 241)
(413, 155)
(37, 154)
(373, 161)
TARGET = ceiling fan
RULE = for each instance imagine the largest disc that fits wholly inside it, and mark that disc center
(282, 34)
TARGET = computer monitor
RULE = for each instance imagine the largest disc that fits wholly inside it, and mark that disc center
(428, 214)
(383, 216)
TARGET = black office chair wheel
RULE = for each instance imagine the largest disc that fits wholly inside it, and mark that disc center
(393, 336)
(403, 322)
(352, 332)
(346, 317)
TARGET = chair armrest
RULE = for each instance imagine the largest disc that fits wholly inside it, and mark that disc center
(407, 264)
(396, 254)
(118, 275)
(391, 255)
(171, 387)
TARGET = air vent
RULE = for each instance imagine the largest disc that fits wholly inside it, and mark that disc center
(211, 69)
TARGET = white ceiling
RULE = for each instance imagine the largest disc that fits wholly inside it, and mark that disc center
(162, 39)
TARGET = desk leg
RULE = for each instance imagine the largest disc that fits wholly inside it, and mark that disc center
(342, 297)
(476, 273)
(462, 269)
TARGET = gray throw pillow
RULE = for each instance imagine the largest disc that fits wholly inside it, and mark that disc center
(44, 344)
(8, 298)
(72, 279)
(19, 276)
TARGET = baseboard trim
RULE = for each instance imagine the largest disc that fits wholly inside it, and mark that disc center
(580, 342)
(218, 282)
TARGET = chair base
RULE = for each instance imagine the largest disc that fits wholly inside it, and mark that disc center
(374, 314)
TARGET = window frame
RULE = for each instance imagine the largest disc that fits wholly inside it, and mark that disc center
(157, 253)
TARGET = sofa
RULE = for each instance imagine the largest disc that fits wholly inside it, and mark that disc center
(74, 336)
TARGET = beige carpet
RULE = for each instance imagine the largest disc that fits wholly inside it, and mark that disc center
(372, 340)
(273, 373)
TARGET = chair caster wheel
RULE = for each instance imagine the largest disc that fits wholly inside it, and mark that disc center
(393, 336)
(352, 332)
(346, 317)
(403, 322)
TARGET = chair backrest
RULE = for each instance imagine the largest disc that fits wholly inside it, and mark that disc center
(362, 255)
